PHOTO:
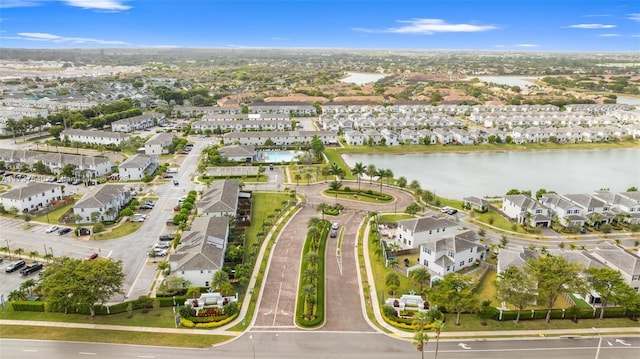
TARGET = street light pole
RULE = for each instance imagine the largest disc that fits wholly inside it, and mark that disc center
(253, 347)
(599, 341)
(9, 250)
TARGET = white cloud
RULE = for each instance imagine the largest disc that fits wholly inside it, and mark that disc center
(429, 27)
(111, 5)
(106, 5)
(591, 26)
(47, 37)
(634, 17)
(609, 35)
(527, 45)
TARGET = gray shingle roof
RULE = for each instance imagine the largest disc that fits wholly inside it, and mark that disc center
(222, 196)
(99, 196)
(203, 246)
(31, 189)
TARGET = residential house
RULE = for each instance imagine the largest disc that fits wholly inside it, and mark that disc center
(624, 204)
(372, 137)
(391, 138)
(102, 203)
(451, 254)
(159, 144)
(201, 250)
(627, 263)
(220, 199)
(138, 123)
(94, 137)
(83, 166)
(354, 138)
(596, 211)
(32, 197)
(476, 203)
(238, 153)
(137, 166)
(416, 231)
(525, 210)
(569, 214)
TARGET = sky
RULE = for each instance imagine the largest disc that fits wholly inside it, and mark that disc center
(507, 25)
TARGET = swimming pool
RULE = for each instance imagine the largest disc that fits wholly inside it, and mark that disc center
(279, 156)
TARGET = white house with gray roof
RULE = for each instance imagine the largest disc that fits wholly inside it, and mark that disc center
(159, 144)
(137, 123)
(105, 200)
(525, 210)
(94, 137)
(32, 197)
(220, 199)
(417, 231)
(136, 166)
(627, 263)
(238, 153)
(201, 250)
(451, 254)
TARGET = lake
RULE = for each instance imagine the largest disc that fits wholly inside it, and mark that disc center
(458, 175)
(360, 78)
(521, 81)
(627, 100)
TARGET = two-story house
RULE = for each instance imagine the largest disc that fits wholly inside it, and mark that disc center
(137, 166)
(102, 203)
(451, 254)
(159, 144)
(416, 231)
(526, 210)
(32, 197)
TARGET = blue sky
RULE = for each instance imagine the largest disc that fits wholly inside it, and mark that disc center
(543, 25)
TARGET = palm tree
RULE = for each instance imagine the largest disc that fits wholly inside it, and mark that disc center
(421, 277)
(314, 233)
(321, 207)
(420, 320)
(314, 222)
(371, 172)
(18, 251)
(163, 266)
(389, 174)
(380, 173)
(308, 292)
(308, 177)
(311, 274)
(220, 280)
(312, 258)
(27, 285)
(15, 295)
(336, 171)
(438, 323)
(358, 170)
(33, 255)
(48, 257)
(393, 262)
(392, 281)
(297, 177)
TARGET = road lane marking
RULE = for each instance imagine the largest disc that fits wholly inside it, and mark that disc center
(277, 302)
(87, 353)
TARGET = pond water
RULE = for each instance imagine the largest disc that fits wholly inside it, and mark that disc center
(522, 81)
(458, 175)
(635, 101)
(360, 78)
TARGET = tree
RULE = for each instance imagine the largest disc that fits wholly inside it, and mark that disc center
(321, 207)
(33, 255)
(420, 277)
(392, 281)
(556, 275)
(371, 172)
(308, 177)
(336, 171)
(402, 182)
(358, 170)
(68, 169)
(28, 285)
(308, 293)
(413, 208)
(41, 168)
(317, 146)
(311, 274)
(609, 284)
(220, 280)
(437, 318)
(516, 287)
(261, 170)
(420, 321)
(71, 282)
(297, 177)
(455, 293)
(312, 258)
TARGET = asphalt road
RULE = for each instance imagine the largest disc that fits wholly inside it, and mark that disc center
(284, 345)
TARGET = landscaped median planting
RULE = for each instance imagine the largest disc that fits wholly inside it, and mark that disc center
(310, 304)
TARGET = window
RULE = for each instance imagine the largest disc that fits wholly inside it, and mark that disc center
(462, 264)
(635, 277)
(448, 268)
(470, 260)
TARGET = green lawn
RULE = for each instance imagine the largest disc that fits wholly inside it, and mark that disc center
(111, 336)
(119, 231)
(353, 196)
(386, 218)
(264, 204)
(53, 215)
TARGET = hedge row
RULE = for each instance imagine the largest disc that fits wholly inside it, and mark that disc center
(30, 306)
(320, 282)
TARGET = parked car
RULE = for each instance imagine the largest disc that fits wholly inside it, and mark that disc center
(31, 268)
(136, 219)
(167, 176)
(335, 225)
(334, 233)
(146, 206)
(52, 229)
(452, 211)
(162, 245)
(158, 252)
(91, 257)
(64, 231)
(14, 266)
(166, 237)
(175, 182)
(76, 182)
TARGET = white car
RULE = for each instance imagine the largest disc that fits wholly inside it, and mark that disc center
(52, 229)
(162, 245)
(335, 225)
(136, 219)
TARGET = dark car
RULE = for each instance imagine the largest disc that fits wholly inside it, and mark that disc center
(91, 257)
(31, 268)
(167, 176)
(15, 266)
(334, 233)
(166, 237)
(452, 211)
(64, 231)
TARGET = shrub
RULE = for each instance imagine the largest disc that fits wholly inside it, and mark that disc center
(27, 306)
